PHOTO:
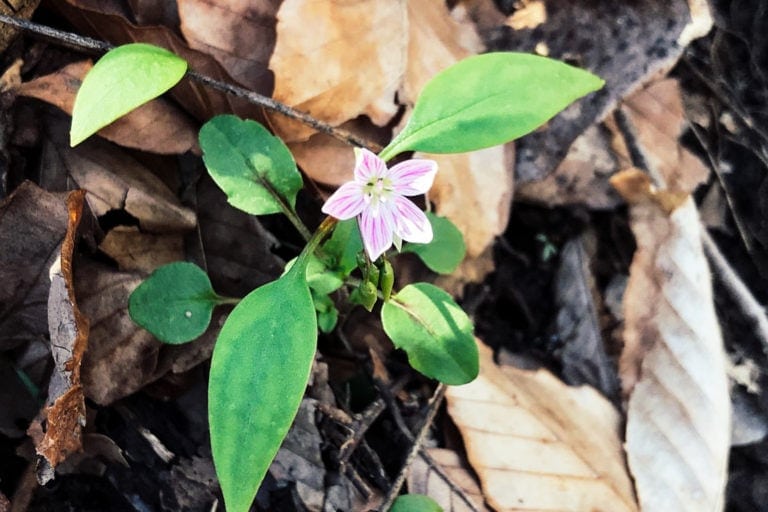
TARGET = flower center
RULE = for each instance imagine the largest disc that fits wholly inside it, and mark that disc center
(377, 190)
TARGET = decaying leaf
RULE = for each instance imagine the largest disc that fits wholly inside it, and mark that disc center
(65, 406)
(157, 126)
(240, 35)
(673, 366)
(299, 460)
(116, 181)
(537, 444)
(583, 356)
(338, 60)
(32, 225)
(20, 9)
(134, 250)
(424, 479)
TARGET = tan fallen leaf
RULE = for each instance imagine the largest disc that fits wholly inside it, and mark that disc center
(537, 444)
(673, 366)
(134, 250)
(532, 14)
(338, 60)
(423, 478)
(239, 34)
(157, 126)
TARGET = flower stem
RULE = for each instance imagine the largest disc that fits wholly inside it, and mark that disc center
(323, 230)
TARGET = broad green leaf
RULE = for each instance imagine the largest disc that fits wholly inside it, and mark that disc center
(489, 99)
(123, 79)
(260, 367)
(174, 303)
(415, 503)
(253, 167)
(434, 331)
(446, 250)
(344, 245)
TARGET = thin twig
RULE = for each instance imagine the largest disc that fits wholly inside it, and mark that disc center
(753, 310)
(253, 97)
(432, 408)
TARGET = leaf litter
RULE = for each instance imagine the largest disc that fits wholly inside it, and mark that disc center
(135, 199)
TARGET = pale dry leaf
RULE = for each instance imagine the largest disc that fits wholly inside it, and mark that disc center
(336, 60)
(532, 14)
(673, 366)
(239, 34)
(537, 444)
(423, 479)
(133, 250)
(157, 126)
(474, 190)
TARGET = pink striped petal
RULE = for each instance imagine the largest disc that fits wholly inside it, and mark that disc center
(411, 223)
(346, 202)
(376, 231)
(413, 177)
(368, 165)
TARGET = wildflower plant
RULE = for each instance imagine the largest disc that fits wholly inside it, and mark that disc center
(263, 355)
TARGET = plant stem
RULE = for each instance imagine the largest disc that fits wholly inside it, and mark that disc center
(323, 230)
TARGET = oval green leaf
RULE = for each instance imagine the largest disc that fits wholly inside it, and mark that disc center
(489, 99)
(446, 250)
(434, 331)
(123, 79)
(252, 166)
(415, 503)
(174, 303)
(260, 367)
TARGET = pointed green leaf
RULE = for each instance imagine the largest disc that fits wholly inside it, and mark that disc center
(260, 367)
(252, 166)
(434, 331)
(123, 79)
(415, 503)
(446, 250)
(344, 246)
(489, 99)
(174, 303)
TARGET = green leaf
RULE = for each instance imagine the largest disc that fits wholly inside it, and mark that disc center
(489, 99)
(253, 167)
(327, 314)
(434, 331)
(320, 279)
(446, 250)
(123, 79)
(174, 303)
(259, 370)
(415, 503)
(344, 246)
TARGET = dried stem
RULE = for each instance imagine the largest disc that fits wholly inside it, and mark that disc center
(94, 45)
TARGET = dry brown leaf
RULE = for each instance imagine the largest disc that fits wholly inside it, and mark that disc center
(157, 126)
(673, 364)
(116, 181)
(537, 444)
(108, 20)
(65, 405)
(134, 250)
(424, 479)
(239, 34)
(337, 60)
(657, 119)
(474, 190)
(18, 9)
(532, 14)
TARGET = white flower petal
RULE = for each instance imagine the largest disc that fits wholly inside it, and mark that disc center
(413, 177)
(410, 222)
(368, 165)
(376, 231)
(347, 202)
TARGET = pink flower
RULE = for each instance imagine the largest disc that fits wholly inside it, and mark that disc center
(377, 196)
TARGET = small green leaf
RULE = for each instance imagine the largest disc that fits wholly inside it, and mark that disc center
(253, 167)
(344, 245)
(415, 503)
(259, 370)
(123, 79)
(320, 279)
(327, 314)
(434, 331)
(174, 303)
(489, 99)
(446, 250)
